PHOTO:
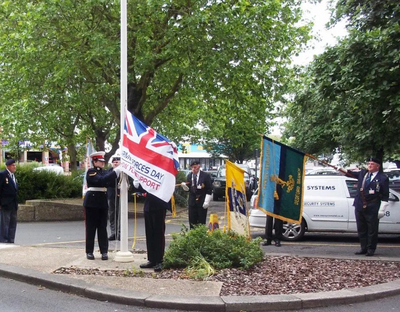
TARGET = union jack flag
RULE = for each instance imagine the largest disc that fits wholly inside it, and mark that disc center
(149, 157)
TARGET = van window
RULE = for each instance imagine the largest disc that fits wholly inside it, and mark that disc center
(352, 187)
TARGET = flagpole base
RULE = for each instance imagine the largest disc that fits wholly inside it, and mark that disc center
(123, 256)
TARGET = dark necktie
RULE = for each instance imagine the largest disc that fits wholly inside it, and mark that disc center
(368, 178)
(194, 183)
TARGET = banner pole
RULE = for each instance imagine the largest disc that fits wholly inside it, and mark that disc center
(124, 255)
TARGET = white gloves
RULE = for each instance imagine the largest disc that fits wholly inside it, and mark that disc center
(207, 201)
(136, 183)
(117, 170)
(184, 186)
(382, 209)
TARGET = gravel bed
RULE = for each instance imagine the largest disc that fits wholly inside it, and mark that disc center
(279, 275)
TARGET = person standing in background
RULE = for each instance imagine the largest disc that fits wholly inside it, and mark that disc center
(199, 186)
(8, 203)
(113, 204)
(96, 206)
(277, 225)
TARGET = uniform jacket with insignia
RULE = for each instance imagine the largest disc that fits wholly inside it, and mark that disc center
(98, 178)
(203, 187)
(8, 191)
(373, 192)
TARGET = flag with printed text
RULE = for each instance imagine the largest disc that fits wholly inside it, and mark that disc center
(280, 193)
(149, 157)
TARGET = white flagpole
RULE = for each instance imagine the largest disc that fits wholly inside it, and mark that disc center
(124, 255)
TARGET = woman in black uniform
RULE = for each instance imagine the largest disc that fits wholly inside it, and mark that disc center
(96, 206)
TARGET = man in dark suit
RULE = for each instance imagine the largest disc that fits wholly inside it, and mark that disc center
(8, 203)
(370, 204)
(155, 210)
(199, 186)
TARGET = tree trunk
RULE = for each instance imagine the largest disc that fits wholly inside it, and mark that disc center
(72, 157)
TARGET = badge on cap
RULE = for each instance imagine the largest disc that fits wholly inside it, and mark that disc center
(99, 156)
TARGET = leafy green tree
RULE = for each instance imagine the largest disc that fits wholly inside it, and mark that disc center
(189, 63)
(349, 96)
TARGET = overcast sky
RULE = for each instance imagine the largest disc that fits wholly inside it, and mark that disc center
(320, 15)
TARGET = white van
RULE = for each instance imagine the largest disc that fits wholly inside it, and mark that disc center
(328, 206)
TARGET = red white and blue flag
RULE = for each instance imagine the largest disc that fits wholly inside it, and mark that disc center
(149, 157)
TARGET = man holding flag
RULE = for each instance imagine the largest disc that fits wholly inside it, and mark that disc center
(281, 185)
(152, 161)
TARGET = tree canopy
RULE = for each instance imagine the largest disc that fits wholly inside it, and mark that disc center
(214, 64)
(349, 96)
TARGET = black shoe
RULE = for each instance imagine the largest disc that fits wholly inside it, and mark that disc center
(158, 267)
(104, 256)
(147, 265)
(370, 253)
(111, 237)
(266, 243)
(278, 243)
(89, 256)
(361, 252)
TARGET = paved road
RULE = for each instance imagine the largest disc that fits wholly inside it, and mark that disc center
(21, 297)
(71, 234)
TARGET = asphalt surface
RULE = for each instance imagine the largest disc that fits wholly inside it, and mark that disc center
(36, 265)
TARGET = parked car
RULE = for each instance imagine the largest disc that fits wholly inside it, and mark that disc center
(51, 168)
(328, 206)
(219, 183)
(323, 171)
(212, 173)
(394, 178)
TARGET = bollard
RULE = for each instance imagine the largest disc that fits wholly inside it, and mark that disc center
(213, 223)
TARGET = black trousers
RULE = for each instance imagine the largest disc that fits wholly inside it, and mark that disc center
(8, 224)
(197, 215)
(277, 225)
(154, 222)
(96, 220)
(367, 227)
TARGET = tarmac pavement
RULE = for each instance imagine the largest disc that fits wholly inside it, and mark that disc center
(35, 265)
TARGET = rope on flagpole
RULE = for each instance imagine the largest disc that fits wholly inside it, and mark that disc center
(134, 231)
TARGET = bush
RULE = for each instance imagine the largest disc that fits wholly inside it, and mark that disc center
(45, 185)
(221, 250)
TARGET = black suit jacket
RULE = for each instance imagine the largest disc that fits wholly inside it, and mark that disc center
(8, 191)
(373, 193)
(203, 181)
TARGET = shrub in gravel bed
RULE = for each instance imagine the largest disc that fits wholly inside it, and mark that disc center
(196, 247)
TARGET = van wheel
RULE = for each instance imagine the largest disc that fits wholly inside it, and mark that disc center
(293, 231)
(215, 197)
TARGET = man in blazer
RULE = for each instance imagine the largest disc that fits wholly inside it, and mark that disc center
(198, 184)
(8, 203)
(370, 204)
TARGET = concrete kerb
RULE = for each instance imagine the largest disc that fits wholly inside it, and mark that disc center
(200, 303)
